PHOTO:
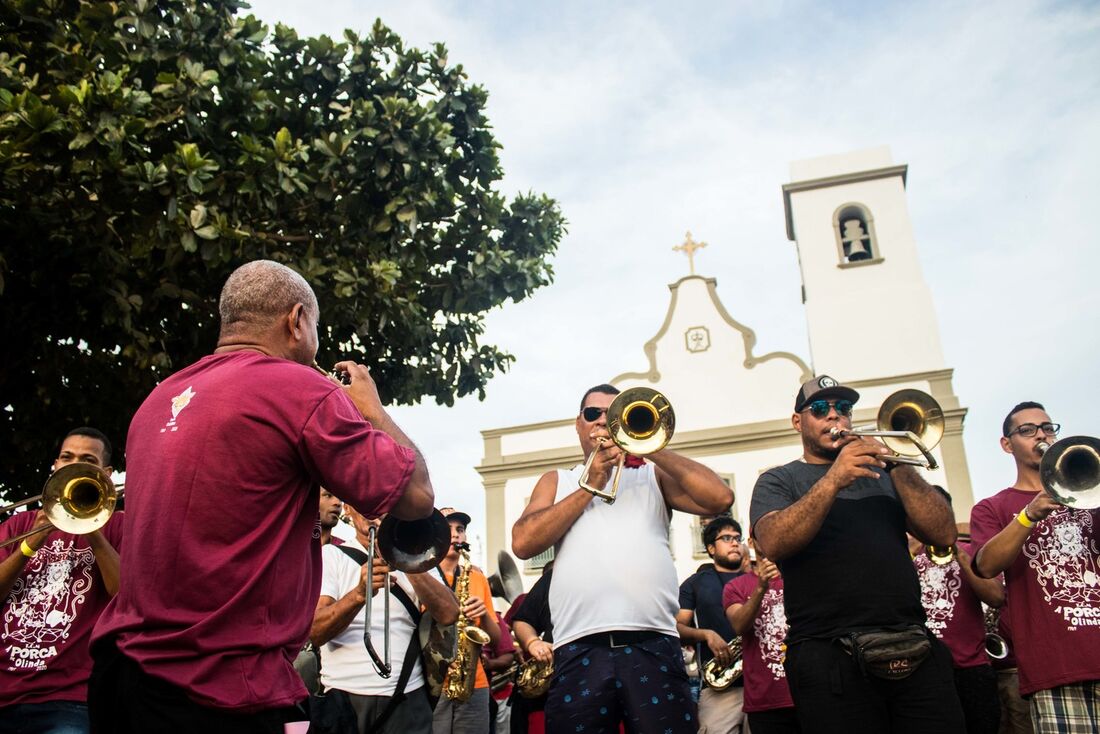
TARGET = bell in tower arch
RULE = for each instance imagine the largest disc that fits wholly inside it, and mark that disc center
(856, 241)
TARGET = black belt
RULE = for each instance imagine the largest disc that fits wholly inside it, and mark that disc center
(619, 638)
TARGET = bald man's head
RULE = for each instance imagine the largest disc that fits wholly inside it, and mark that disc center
(259, 293)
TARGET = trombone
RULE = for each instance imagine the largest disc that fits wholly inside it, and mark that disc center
(910, 423)
(640, 421)
(1070, 471)
(78, 498)
(412, 546)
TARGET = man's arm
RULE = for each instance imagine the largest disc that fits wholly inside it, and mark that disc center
(543, 521)
(990, 591)
(106, 558)
(1000, 552)
(689, 633)
(418, 499)
(690, 487)
(928, 515)
(782, 533)
(741, 616)
(12, 567)
(332, 616)
(438, 600)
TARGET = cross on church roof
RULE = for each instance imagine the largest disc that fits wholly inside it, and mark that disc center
(688, 248)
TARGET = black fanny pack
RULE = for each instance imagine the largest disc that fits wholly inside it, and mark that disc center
(891, 654)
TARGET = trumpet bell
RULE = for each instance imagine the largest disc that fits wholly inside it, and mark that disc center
(79, 498)
(916, 412)
(641, 420)
(1070, 472)
(414, 546)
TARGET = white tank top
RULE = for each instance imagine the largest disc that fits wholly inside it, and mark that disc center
(613, 569)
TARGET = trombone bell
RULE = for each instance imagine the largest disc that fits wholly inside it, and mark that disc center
(640, 421)
(79, 498)
(911, 411)
(1070, 472)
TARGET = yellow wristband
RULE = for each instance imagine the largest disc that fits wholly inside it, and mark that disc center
(1024, 520)
(27, 550)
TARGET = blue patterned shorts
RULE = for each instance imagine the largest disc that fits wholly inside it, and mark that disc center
(642, 685)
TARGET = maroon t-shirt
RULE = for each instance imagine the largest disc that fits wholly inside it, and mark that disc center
(49, 613)
(1052, 590)
(954, 611)
(762, 646)
(222, 567)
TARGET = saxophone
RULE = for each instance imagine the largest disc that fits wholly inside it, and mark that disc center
(462, 672)
(721, 677)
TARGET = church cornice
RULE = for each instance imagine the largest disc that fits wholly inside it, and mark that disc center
(839, 180)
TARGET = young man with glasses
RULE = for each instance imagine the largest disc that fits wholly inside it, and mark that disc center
(1049, 557)
(702, 622)
(613, 601)
(834, 522)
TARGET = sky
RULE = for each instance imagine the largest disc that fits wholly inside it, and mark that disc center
(648, 119)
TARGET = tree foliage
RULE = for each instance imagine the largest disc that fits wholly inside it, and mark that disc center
(148, 148)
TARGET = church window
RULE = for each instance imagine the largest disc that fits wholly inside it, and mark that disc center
(855, 235)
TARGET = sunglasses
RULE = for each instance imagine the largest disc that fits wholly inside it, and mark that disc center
(820, 408)
(593, 414)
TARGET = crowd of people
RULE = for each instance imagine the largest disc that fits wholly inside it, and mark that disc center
(220, 600)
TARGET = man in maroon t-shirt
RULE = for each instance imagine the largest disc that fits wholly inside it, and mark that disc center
(754, 608)
(53, 587)
(222, 570)
(952, 596)
(1050, 557)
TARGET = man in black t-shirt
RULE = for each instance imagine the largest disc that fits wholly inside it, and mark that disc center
(834, 521)
(701, 599)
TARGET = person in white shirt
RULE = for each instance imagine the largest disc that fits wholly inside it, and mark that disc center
(337, 632)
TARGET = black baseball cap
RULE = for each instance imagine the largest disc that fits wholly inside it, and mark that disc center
(819, 388)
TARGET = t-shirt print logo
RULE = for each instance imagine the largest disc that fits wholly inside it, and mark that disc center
(179, 402)
(939, 591)
(1063, 555)
(770, 628)
(44, 603)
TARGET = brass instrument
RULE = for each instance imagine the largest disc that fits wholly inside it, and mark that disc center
(910, 423)
(1070, 471)
(996, 646)
(506, 582)
(939, 555)
(78, 498)
(412, 546)
(534, 678)
(720, 677)
(470, 638)
(640, 421)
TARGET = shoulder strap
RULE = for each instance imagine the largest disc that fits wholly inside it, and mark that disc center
(353, 553)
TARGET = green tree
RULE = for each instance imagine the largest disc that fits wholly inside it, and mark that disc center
(148, 148)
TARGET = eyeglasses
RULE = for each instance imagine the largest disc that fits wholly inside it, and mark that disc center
(1027, 430)
(820, 408)
(729, 538)
(593, 414)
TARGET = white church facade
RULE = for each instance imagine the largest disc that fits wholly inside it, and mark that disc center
(849, 219)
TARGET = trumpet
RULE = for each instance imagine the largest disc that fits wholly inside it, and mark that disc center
(910, 423)
(78, 498)
(940, 555)
(640, 421)
(1070, 471)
